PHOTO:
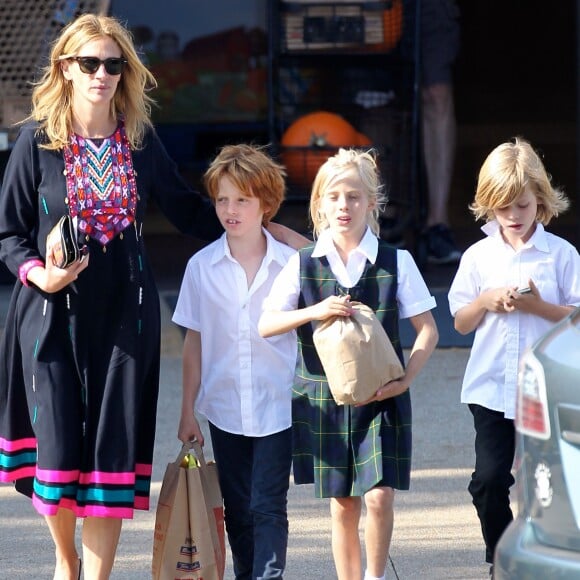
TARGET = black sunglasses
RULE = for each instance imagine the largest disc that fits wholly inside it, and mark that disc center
(90, 64)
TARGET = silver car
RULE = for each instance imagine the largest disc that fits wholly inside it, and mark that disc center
(544, 540)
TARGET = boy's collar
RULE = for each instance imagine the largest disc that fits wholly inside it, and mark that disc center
(539, 239)
(273, 252)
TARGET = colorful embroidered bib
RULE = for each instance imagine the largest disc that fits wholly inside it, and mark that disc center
(100, 182)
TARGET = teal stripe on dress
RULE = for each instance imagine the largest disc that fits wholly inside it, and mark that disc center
(15, 461)
(91, 495)
(143, 485)
(56, 492)
(107, 496)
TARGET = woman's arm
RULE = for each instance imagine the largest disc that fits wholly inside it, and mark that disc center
(188, 210)
(50, 278)
(288, 236)
(19, 203)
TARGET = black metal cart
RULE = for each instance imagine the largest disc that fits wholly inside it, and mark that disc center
(359, 60)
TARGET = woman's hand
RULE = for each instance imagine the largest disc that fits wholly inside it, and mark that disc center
(51, 278)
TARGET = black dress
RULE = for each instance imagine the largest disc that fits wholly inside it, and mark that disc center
(79, 369)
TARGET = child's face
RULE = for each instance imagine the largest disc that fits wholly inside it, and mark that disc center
(238, 213)
(346, 206)
(518, 220)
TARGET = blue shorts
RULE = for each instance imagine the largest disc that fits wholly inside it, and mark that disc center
(439, 40)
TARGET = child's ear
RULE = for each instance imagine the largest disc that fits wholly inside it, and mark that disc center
(266, 209)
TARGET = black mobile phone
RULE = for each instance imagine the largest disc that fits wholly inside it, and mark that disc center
(525, 290)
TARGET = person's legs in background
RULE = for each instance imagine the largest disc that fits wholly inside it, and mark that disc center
(439, 45)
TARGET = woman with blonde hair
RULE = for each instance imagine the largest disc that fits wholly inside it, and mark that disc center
(79, 358)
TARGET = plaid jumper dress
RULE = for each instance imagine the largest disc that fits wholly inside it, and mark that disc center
(346, 450)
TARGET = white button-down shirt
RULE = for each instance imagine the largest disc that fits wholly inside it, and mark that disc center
(501, 338)
(413, 296)
(246, 380)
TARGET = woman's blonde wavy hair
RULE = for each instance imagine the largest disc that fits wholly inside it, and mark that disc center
(52, 94)
(366, 166)
(505, 174)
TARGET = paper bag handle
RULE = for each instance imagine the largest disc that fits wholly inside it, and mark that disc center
(197, 450)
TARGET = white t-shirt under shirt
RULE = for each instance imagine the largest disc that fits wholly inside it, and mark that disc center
(501, 338)
(413, 296)
(246, 380)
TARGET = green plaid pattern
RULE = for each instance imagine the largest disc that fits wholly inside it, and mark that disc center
(346, 450)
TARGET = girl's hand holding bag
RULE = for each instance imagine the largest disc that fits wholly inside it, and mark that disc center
(356, 354)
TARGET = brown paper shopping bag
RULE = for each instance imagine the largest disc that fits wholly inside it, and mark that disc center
(189, 540)
(356, 354)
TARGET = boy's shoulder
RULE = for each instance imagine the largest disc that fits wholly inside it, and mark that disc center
(204, 255)
(481, 245)
(555, 240)
(285, 249)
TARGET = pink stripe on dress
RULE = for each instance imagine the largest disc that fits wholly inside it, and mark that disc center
(125, 478)
(141, 503)
(94, 477)
(98, 477)
(10, 476)
(82, 512)
(143, 468)
(51, 476)
(18, 445)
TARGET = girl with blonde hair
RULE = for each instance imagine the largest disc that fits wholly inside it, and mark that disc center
(351, 452)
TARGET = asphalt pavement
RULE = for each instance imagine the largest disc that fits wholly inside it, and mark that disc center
(436, 532)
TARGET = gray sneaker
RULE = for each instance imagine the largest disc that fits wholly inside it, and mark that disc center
(441, 248)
